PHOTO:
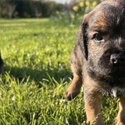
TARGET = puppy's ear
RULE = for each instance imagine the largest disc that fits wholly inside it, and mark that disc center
(82, 36)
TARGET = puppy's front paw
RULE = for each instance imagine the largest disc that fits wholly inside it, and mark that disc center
(72, 92)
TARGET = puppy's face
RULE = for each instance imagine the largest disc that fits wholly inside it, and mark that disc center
(105, 41)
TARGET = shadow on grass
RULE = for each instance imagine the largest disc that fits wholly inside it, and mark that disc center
(38, 75)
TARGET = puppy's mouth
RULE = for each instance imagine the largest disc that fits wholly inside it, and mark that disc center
(113, 75)
(106, 72)
(118, 71)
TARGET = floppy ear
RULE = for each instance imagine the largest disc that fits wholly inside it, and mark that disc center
(82, 36)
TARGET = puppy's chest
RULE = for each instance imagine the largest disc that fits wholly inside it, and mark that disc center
(112, 88)
(112, 91)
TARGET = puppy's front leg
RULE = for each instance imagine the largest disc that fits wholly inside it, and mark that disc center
(74, 88)
(121, 115)
(93, 107)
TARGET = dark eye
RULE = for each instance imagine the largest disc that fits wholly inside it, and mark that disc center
(98, 36)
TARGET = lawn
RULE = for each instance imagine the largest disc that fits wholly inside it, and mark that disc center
(36, 54)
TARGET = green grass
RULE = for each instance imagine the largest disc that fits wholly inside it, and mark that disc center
(36, 74)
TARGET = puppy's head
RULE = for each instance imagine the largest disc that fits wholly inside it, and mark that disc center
(102, 38)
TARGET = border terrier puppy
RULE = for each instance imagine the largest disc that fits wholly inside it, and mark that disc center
(98, 60)
(1, 64)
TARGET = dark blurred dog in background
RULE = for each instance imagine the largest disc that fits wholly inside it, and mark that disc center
(1, 64)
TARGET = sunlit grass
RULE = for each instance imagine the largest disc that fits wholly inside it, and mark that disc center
(36, 54)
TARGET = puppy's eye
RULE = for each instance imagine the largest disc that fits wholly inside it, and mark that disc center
(98, 36)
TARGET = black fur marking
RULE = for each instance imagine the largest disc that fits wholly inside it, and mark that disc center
(85, 40)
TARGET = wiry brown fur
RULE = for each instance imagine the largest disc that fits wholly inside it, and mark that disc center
(91, 59)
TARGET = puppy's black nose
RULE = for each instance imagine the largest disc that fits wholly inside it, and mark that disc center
(117, 59)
